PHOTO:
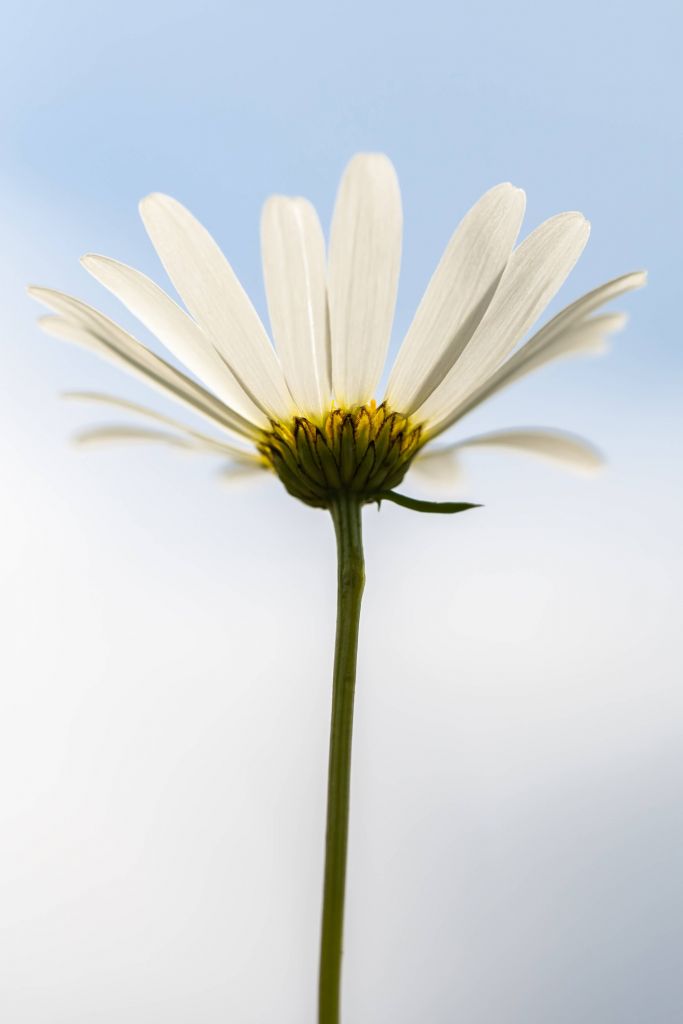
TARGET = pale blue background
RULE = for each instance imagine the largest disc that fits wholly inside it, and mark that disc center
(517, 833)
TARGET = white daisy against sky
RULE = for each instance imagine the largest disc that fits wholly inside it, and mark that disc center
(308, 407)
(284, 406)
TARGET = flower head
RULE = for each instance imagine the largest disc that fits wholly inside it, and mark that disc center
(308, 407)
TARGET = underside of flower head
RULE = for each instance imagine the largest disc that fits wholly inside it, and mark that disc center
(363, 451)
(304, 404)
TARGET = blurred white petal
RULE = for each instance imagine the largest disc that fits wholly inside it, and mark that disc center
(580, 309)
(557, 446)
(116, 433)
(237, 474)
(442, 469)
(215, 444)
(587, 337)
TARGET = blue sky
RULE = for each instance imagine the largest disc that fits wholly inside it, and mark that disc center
(223, 105)
(521, 669)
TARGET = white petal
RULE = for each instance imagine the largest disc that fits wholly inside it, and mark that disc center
(535, 271)
(571, 331)
(587, 337)
(293, 251)
(237, 472)
(123, 433)
(571, 451)
(117, 433)
(580, 309)
(364, 262)
(457, 296)
(209, 288)
(85, 326)
(442, 468)
(204, 440)
(175, 329)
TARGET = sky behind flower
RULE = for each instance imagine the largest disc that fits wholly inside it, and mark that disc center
(516, 829)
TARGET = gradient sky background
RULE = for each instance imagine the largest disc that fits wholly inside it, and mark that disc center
(516, 830)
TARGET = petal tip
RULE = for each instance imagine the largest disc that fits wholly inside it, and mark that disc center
(278, 202)
(91, 259)
(571, 217)
(509, 186)
(153, 201)
(578, 218)
(370, 163)
(37, 292)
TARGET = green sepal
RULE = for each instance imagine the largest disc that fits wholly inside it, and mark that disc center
(388, 466)
(348, 457)
(308, 456)
(382, 442)
(328, 463)
(294, 483)
(333, 429)
(364, 469)
(286, 454)
(362, 433)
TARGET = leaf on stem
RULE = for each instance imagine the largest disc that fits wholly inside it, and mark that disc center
(439, 507)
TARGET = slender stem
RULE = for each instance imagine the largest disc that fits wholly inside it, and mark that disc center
(346, 513)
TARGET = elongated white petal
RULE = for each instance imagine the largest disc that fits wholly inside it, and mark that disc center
(207, 442)
(579, 310)
(571, 331)
(364, 262)
(571, 451)
(237, 474)
(457, 296)
(116, 433)
(175, 329)
(587, 337)
(442, 468)
(293, 252)
(209, 288)
(84, 325)
(123, 433)
(236, 471)
(535, 271)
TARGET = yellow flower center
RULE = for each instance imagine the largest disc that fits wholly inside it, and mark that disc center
(364, 450)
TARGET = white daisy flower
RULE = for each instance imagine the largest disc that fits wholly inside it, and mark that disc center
(308, 408)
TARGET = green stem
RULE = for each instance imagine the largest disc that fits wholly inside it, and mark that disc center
(346, 513)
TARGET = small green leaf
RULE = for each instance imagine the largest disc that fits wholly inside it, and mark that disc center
(439, 507)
